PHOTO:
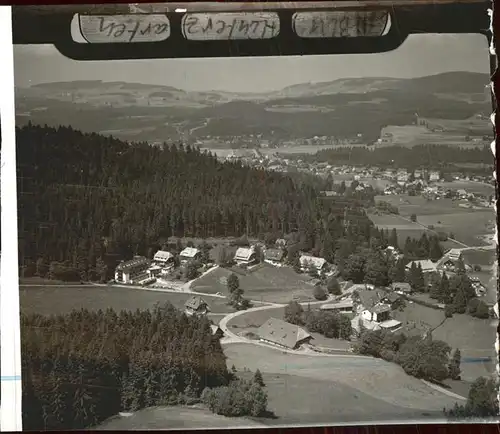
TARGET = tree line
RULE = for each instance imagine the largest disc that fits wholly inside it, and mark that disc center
(433, 157)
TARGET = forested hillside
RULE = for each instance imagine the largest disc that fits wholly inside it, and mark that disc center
(85, 197)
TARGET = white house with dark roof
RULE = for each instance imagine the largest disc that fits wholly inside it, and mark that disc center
(189, 254)
(245, 256)
(132, 271)
(306, 261)
(163, 261)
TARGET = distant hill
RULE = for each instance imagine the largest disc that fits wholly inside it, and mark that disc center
(341, 108)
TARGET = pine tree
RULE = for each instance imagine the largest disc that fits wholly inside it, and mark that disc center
(445, 290)
(393, 239)
(454, 366)
(435, 249)
(436, 290)
(233, 283)
(257, 378)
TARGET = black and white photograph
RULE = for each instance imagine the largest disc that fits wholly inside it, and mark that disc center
(229, 242)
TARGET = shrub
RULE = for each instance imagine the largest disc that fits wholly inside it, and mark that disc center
(319, 293)
(240, 398)
(449, 311)
(333, 286)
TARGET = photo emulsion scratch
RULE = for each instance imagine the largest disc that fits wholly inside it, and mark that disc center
(229, 232)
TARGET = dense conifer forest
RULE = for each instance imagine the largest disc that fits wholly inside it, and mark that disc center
(84, 367)
(86, 200)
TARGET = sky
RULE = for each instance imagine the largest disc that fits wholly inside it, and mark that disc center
(419, 55)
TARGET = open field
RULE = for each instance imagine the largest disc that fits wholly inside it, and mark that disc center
(268, 283)
(374, 378)
(163, 418)
(404, 228)
(250, 321)
(454, 132)
(467, 227)
(444, 214)
(469, 186)
(408, 205)
(474, 337)
(53, 300)
(299, 400)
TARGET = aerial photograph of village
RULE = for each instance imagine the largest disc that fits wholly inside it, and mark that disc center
(290, 241)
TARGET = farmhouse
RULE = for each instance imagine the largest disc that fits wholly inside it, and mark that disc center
(196, 306)
(274, 256)
(132, 271)
(307, 261)
(401, 287)
(189, 254)
(343, 306)
(245, 256)
(427, 265)
(282, 334)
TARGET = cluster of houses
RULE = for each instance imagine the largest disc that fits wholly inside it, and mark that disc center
(143, 271)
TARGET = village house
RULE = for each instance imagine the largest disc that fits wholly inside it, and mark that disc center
(401, 287)
(245, 256)
(392, 253)
(402, 176)
(307, 261)
(343, 306)
(365, 300)
(189, 254)
(282, 334)
(433, 176)
(164, 260)
(274, 257)
(427, 266)
(196, 306)
(374, 309)
(133, 271)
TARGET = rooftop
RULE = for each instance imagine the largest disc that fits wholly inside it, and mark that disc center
(274, 254)
(189, 252)
(281, 332)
